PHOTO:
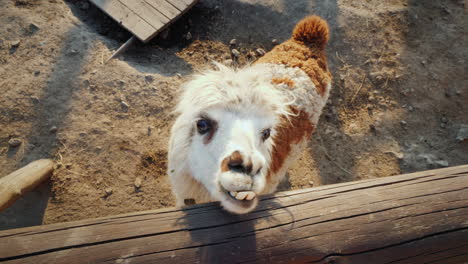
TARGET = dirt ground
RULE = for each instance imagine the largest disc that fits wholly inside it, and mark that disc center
(399, 99)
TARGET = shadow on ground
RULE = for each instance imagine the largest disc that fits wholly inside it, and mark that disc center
(50, 110)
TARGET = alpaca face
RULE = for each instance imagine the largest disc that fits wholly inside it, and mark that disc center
(230, 152)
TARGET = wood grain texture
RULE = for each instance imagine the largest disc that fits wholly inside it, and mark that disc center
(144, 18)
(413, 218)
(17, 183)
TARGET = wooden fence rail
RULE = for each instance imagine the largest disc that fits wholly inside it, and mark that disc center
(413, 218)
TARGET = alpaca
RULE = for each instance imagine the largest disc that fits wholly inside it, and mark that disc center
(238, 131)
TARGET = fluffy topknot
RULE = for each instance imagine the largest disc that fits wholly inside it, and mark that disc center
(312, 30)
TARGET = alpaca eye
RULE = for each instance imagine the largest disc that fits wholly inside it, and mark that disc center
(266, 134)
(203, 126)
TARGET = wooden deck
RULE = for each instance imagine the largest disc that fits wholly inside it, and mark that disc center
(144, 18)
(412, 218)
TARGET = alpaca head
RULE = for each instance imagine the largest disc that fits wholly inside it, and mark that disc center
(223, 135)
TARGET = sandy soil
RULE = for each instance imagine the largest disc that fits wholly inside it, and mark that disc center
(400, 95)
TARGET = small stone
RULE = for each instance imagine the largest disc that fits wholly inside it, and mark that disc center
(14, 142)
(443, 125)
(458, 92)
(410, 108)
(233, 42)
(33, 28)
(36, 73)
(251, 56)
(403, 123)
(34, 99)
(441, 163)
(190, 53)
(179, 75)
(235, 53)
(124, 106)
(260, 52)
(98, 148)
(150, 129)
(42, 43)
(53, 129)
(149, 78)
(15, 43)
(108, 191)
(137, 183)
(462, 134)
(444, 119)
(188, 36)
(274, 42)
(228, 62)
(311, 183)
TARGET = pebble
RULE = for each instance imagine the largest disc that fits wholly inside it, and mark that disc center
(410, 108)
(235, 53)
(15, 43)
(403, 123)
(53, 129)
(124, 106)
(260, 52)
(462, 134)
(443, 125)
(108, 191)
(311, 183)
(274, 42)
(137, 183)
(233, 42)
(149, 78)
(441, 163)
(33, 28)
(14, 142)
(188, 36)
(179, 75)
(444, 119)
(458, 92)
(36, 73)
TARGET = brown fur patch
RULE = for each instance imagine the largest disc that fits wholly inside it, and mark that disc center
(287, 81)
(234, 158)
(289, 132)
(311, 60)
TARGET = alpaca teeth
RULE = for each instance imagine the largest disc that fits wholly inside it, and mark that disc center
(250, 196)
(233, 194)
(241, 195)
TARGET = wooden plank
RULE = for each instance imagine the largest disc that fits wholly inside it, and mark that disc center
(193, 2)
(165, 8)
(412, 218)
(127, 18)
(177, 4)
(146, 12)
(19, 182)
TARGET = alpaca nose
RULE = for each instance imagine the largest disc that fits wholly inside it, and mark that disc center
(236, 162)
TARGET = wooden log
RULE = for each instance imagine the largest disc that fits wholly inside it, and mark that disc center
(414, 218)
(19, 182)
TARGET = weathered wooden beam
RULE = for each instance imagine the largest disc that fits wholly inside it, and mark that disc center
(19, 182)
(414, 218)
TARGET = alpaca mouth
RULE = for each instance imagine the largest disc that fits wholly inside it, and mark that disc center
(243, 199)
